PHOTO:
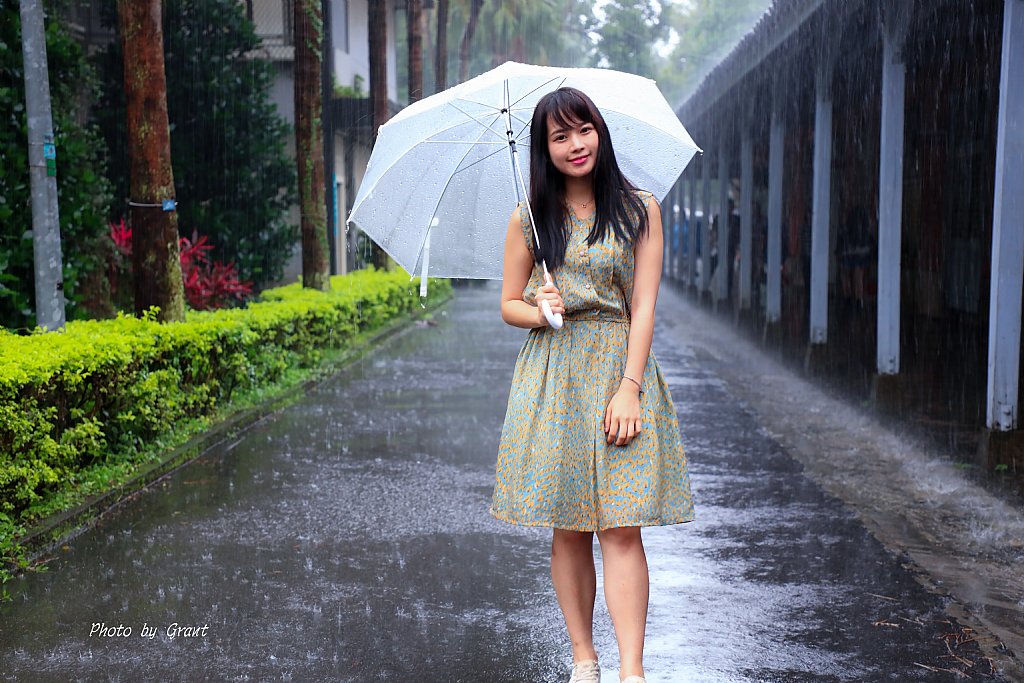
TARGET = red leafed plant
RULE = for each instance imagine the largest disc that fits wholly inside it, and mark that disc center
(122, 236)
(208, 284)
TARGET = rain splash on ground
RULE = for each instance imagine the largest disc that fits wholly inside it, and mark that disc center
(347, 538)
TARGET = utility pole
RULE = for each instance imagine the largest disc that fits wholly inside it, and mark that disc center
(42, 161)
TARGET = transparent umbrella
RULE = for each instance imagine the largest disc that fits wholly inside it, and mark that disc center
(445, 172)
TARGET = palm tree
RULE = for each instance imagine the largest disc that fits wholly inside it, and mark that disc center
(379, 85)
(378, 63)
(414, 22)
(309, 143)
(441, 49)
(467, 38)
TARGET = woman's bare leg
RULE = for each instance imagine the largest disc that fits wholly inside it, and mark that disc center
(572, 573)
(626, 590)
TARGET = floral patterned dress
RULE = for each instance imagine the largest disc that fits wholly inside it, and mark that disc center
(555, 467)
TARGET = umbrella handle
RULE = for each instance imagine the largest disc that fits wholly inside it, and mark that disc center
(554, 319)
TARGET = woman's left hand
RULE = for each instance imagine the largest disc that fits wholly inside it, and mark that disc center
(622, 416)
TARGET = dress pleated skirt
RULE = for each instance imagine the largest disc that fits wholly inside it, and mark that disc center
(555, 467)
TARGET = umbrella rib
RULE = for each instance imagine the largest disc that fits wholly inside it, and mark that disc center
(440, 196)
(443, 130)
(487, 126)
(522, 121)
(482, 104)
(481, 159)
(527, 94)
(463, 142)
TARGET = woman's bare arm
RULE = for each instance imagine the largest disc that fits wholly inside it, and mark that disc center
(646, 280)
(517, 270)
(622, 420)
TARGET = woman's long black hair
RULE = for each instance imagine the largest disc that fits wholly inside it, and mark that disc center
(617, 205)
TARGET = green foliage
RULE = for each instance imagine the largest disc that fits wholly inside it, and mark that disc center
(83, 192)
(707, 31)
(98, 393)
(233, 179)
(355, 90)
(545, 32)
(627, 35)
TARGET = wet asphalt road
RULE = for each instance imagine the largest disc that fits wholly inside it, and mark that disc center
(347, 539)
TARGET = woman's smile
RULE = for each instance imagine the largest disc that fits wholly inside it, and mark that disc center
(572, 147)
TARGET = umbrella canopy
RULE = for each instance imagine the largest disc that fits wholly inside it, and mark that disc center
(442, 179)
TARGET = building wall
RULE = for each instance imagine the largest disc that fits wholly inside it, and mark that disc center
(349, 27)
(352, 46)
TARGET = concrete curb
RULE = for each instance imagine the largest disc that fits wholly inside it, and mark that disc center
(893, 484)
(62, 527)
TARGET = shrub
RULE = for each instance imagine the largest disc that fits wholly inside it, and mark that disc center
(208, 284)
(100, 390)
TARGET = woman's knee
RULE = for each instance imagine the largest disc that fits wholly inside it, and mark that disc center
(621, 539)
(563, 540)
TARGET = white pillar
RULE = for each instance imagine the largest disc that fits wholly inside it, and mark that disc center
(776, 149)
(746, 211)
(722, 274)
(666, 235)
(705, 236)
(895, 18)
(1007, 229)
(691, 237)
(677, 227)
(821, 206)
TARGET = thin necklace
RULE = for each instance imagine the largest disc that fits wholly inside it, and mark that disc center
(582, 205)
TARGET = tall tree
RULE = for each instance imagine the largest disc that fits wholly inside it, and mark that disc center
(414, 23)
(441, 49)
(155, 259)
(466, 43)
(378, 40)
(627, 36)
(234, 177)
(309, 143)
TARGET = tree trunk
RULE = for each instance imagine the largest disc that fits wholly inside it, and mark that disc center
(155, 258)
(414, 21)
(441, 49)
(379, 86)
(378, 63)
(309, 143)
(467, 39)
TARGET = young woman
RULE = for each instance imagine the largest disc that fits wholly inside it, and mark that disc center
(590, 442)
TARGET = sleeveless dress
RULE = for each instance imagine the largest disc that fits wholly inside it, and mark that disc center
(555, 467)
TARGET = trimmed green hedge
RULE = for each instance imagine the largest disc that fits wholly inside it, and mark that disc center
(101, 390)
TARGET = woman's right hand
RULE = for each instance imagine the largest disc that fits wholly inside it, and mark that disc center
(548, 292)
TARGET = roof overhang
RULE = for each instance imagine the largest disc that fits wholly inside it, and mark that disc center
(783, 19)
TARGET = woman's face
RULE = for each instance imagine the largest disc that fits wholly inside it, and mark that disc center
(572, 147)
